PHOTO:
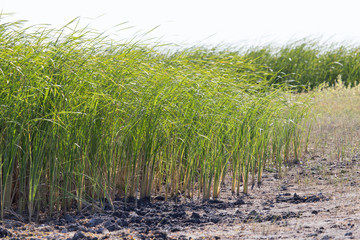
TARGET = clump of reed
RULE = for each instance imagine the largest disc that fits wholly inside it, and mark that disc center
(310, 63)
(83, 118)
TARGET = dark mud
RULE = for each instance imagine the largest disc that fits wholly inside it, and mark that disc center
(147, 219)
(320, 200)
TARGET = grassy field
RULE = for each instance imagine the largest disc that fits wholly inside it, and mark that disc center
(84, 119)
(337, 108)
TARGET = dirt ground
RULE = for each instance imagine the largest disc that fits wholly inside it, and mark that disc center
(311, 202)
(318, 198)
(320, 209)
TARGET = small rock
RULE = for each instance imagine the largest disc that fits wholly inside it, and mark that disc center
(160, 235)
(239, 202)
(78, 235)
(82, 229)
(50, 237)
(175, 229)
(348, 234)
(178, 214)
(255, 216)
(238, 212)
(73, 227)
(195, 215)
(68, 218)
(133, 214)
(122, 223)
(111, 226)
(312, 235)
(46, 229)
(4, 233)
(215, 201)
(326, 237)
(195, 220)
(215, 220)
(159, 198)
(120, 214)
(135, 220)
(94, 222)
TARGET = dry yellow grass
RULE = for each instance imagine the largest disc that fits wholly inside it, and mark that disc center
(336, 129)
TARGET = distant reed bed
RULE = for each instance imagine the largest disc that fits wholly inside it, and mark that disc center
(83, 118)
(310, 63)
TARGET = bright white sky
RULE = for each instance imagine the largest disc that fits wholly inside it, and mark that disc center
(202, 21)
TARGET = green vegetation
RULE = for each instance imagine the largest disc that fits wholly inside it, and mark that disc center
(83, 118)
(310, 63)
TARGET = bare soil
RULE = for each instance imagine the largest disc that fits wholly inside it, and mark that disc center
(315, 200)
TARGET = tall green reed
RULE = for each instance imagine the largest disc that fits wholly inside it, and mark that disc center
(84, 119)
